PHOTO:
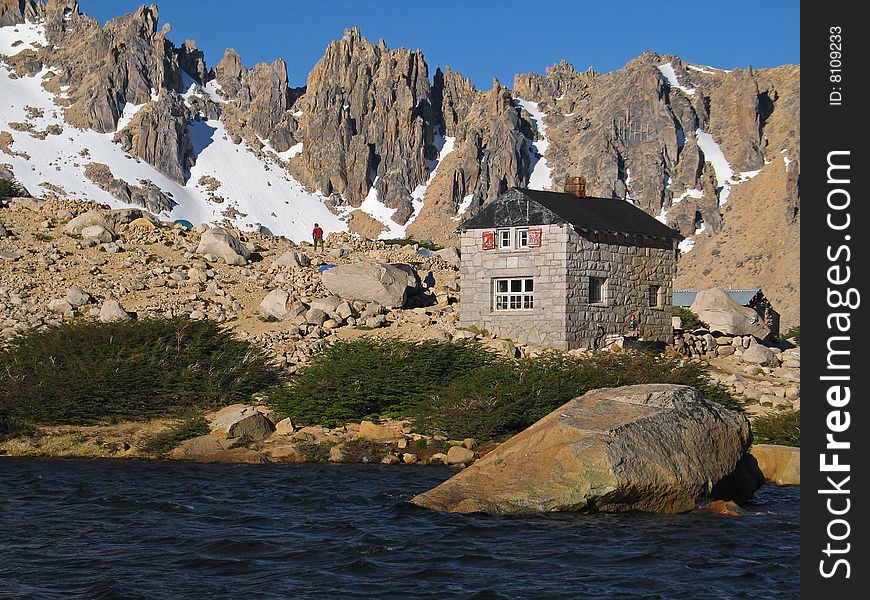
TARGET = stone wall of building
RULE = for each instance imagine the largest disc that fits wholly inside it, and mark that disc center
(545, 324)
(562, 316)
(629, 264)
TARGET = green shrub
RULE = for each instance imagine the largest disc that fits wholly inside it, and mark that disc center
(463, 389)
(782, 428)
(317, 452)
(690, 320)
(410, 241)
(794, 332)
(364, 451)
(86, 373)
(191, 425)
(352, 379)
(11, 427)
(504, 397)
(11, 189)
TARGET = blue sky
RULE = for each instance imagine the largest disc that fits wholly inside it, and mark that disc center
(483, 40)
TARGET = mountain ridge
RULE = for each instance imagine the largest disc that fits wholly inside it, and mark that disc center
(374, 145)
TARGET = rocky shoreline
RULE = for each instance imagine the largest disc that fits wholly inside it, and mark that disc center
(250, 434)
(253, 434)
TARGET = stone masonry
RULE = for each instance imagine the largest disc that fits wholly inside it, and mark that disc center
(562, 316)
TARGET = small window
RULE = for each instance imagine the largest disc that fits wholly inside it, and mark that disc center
(513, 294)
(597, 287)
(654, 296)
(504, 238)
(522, 238)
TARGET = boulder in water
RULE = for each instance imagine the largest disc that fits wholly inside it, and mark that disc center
(654, 448)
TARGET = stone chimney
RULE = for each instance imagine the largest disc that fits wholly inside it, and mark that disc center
(576, 186)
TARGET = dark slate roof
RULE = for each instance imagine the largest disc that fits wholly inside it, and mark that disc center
(741, 296)
(520, 207)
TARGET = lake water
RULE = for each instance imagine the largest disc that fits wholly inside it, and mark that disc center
(138, 529)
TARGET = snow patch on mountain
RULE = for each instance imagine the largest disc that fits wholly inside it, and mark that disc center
(463, 206)
(24, 36)
(376, 209)
(667, 70)
(256, 193)
(686, 245)
(540, 174)
(725, 176)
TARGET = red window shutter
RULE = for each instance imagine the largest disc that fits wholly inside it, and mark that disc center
(535, 235)
(488, 240)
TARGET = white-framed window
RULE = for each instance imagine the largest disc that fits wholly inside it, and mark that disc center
(654, 296)
(597, 290)
(503, 237)
(513, 293)
(522, 237)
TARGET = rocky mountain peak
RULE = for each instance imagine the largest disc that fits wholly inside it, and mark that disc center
(192, 60)
(13, 12)
(229, 73)
(368, 122)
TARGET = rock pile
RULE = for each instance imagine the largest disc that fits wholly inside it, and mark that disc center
(255, 434)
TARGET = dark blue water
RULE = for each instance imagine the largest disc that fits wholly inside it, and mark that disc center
(138, 529)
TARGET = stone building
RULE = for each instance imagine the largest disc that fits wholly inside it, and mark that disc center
(564, 270)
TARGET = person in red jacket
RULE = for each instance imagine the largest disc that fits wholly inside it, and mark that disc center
(318, 236)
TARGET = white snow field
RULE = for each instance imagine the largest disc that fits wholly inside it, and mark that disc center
(262, 192)
(540, 174)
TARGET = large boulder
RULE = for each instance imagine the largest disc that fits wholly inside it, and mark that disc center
(91, 218)
(378, 433)
(450, 255)
(291, 260)
(280, 305)
(199, 447)
(112, 311)
(370, 281)
(241, 421)
(779, 464)
(759, 354)
(223, 243)
(656, 448)
(723, 313)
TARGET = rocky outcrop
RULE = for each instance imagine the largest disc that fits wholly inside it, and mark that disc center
(126, 61)
(259, 102)
(779, 464)
(657, 448)
(147, 195)
(722, 313)
(223, 243)
(13, 12)
(192, 61)
(452, 94)
(491, 155)
(159, 134)
(368, 122)
(373, 282)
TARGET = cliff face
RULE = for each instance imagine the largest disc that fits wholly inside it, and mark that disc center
(368, 122)
(705, 150)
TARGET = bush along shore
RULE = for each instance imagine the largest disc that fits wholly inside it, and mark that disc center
(190, 390)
